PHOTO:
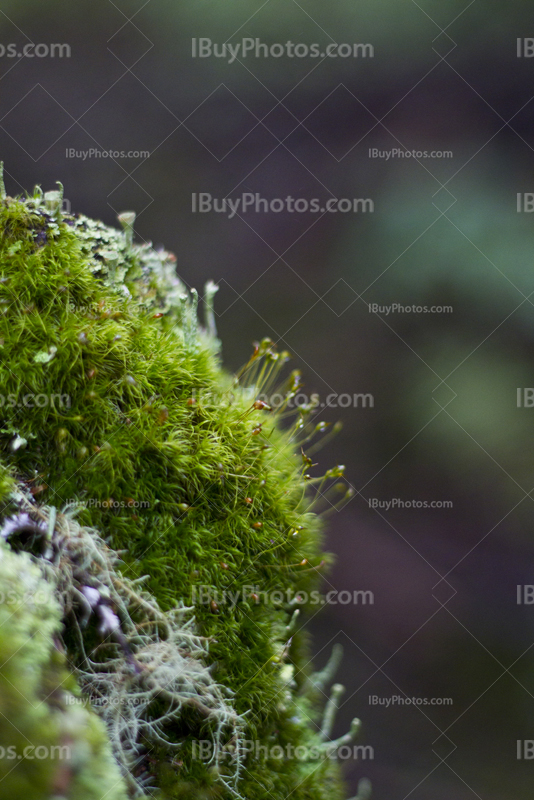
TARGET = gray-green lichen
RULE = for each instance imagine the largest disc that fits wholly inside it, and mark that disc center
(51, 745)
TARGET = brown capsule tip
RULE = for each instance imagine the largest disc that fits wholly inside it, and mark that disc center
(163, 415)
(214, 607)
(191, 401)
(224, 565)
(248, 500)
(158, 315)
(304, 562)
(259, 405)
(257, 525)
(91, 373)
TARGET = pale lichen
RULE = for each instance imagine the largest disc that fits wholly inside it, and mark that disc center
(51, 746)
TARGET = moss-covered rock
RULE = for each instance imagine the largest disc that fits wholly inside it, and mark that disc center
(114, 401)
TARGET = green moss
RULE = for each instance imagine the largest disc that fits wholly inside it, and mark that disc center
(50, 744)
(7, 484)
(200, 491)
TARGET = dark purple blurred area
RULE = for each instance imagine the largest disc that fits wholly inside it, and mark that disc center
(444, 424)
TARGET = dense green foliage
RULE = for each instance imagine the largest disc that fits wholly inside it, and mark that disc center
(199, 487)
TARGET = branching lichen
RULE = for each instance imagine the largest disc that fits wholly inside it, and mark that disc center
(148, 667)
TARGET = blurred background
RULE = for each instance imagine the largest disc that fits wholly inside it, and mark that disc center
(443, 426)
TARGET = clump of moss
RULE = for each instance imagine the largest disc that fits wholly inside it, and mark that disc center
(115, 402)
(50, 744)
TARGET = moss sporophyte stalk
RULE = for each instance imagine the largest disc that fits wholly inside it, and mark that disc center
(139, 484)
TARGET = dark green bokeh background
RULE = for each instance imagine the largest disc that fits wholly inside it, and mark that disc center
(444, 425)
